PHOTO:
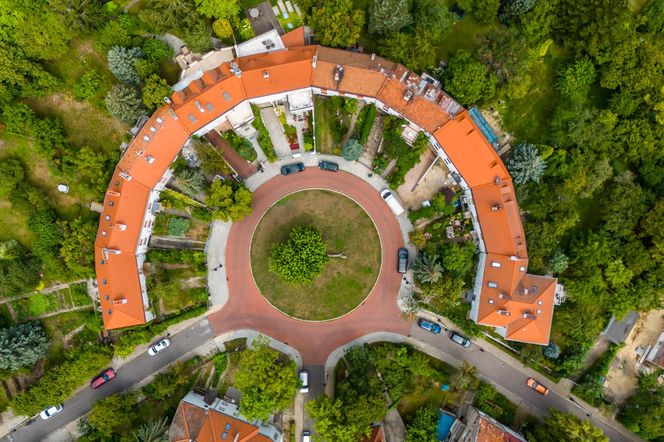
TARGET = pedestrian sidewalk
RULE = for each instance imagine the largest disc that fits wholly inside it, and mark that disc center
(216, 264)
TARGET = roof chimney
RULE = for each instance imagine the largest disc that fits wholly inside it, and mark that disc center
(314, 61)
(235, 69)
(373, 56)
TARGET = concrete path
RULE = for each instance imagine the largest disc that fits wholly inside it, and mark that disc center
(216, 260)
(276, 131)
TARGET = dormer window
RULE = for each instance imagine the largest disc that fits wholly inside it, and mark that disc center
(149, 159)
(198, 106)
(492, 285)
(153, 129)
(159, 120)
(146, 138)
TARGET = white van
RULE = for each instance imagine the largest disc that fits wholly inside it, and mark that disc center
(392, 202)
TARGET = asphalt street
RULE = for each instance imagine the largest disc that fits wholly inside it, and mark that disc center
(128, 375)
(511, 381)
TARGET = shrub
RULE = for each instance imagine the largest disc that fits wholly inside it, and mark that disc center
(525, 164)
(367, 123)
(222, 28)
(123, 103)
(18, 118)
(264, 140)
(156, 50)
(154, 91)
(301, 258)
(178, 226)
(352, 150)
(87, 86)
(241, 145)
(22, 345)
(121, 63)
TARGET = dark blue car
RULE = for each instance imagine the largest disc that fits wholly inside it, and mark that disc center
(292, 168)
(430, 326)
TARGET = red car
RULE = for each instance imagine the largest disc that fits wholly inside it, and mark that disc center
(102, 378)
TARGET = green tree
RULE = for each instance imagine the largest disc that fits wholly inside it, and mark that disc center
(153, 431)
(423, 426)
(432, 20)
(228, 203)
(12, 173)
(113, 415)
(22, 345)
(218, 8)
(352, 150)
(337, 23)
(209, 156)
(198, 38)
(558, 263)
(575, 81)
(525, 164)
(156, 50)
(154, 91)
(650, 397)
(484, 11)
(77, 249)
(123, 103)
(170, 15)
(166, 384)
(331, 420)
(268, 381)
(302, 258)
(468, 80)
(222, 28)
(79, 14)
(121, 61)
(566, 426)
(117, 32)
(88, 85)
(551, 351)
(386, 16)
(427, 269)
(513, 9)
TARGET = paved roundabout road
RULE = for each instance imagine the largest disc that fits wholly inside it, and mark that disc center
(247, 309)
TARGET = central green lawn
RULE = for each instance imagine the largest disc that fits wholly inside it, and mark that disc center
(346, 228)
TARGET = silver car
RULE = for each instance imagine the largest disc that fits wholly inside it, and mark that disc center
(51, 411)
(159, 346)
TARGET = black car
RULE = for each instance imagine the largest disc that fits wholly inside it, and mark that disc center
(402, 264)
(327, 165)
(292, 168)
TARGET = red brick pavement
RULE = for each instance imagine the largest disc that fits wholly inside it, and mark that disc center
(247, 309)
(239, 164)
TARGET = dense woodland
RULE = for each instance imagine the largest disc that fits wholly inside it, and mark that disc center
(580, 84)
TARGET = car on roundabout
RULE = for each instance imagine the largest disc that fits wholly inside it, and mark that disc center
(429, 326)
(159, 346)
(402, 260)
(51, 411)
(329, 166)
(292, 168)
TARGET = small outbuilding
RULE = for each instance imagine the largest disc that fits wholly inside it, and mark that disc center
(618, 331)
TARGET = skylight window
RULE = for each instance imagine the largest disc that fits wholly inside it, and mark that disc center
(495, 264)
(226, 96)
(192, 118)
(492, 285)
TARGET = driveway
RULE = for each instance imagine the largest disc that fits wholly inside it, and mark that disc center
(276, 131)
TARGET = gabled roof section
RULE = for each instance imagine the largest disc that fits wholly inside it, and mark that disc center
(521, 302)
(119, 289)
(499, 216)
(154, 148)
(357, 81)
(294, 38)
(122, 216)
(205, 99)
(276, 72)
(470, 152)
(401, 93)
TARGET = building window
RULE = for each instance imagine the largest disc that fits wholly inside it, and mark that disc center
(103, 281)
(226, 96)
(192, 118)
(209, 107)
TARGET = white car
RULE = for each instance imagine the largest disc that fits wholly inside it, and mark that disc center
(159, 346)
(304, 378)
(51, 411)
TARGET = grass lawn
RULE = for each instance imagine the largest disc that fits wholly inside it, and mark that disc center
(346, 228)
(323, 139)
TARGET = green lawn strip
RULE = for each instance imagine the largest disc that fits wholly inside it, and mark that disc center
(323, 139)
(345, 228)
(79, 294)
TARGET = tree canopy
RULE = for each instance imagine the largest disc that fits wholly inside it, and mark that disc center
(268, 380)
(566, 426)
(22, 345)
(337, 23)
(302, 257)
(229, 203)
(468, 80)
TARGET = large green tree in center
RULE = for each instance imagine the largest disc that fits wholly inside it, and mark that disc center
(300, 259)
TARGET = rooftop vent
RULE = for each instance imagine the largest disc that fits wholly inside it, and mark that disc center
(497, 180)
(125, 175)
(495, 207)
(514, 258)
(269, 44)
(523, 291)
(146, 138)
(490, 301)
(120, 301)
(492, 284)
(529, 315)
(504, 296)
(522, 268)
(540, 302)
(159, 120)
(149, 159)
(338, 73)
(408, 96)
(120, 226)
(504, 313)
(235, 69)
(266, 74)
(495, 264)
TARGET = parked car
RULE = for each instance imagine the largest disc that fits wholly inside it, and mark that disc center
(402, 262)
(460, 339)
(327, 165)
(541, 389)
(51, 411)
(306, 436)
(392, 202)
(159, 346)
(292, 168)
(102, 378)
(430, 326)
(304, 378)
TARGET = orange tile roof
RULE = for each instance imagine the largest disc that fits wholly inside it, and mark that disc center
(276, 72)
(469, 151)
(499, 216)
(119, 289)
(294, 38)
(154, 148)
(490, 432)
(203, 100)
(357, 81)
(193, 423)
(426, 114)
